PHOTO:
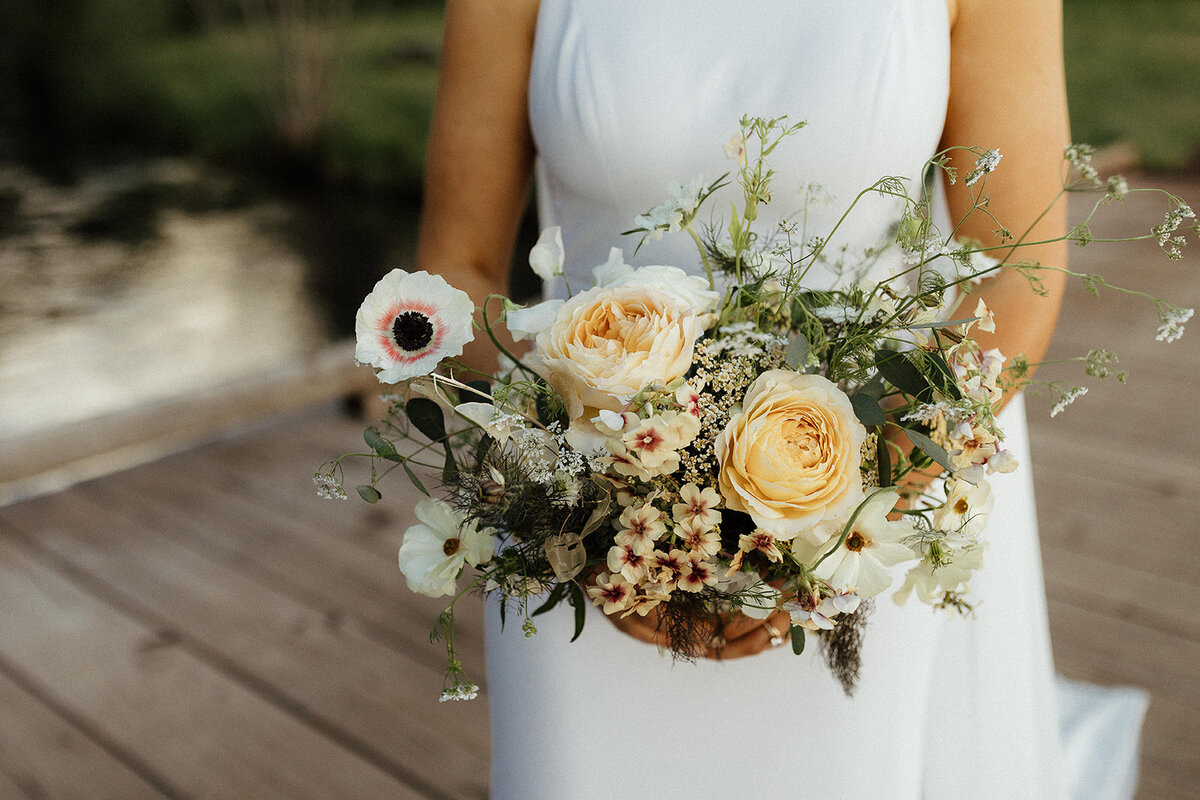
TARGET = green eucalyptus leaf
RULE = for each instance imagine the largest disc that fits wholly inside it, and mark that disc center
(884, 456)
(867, 409)
(929, 447)
(503, 613)
(553, 599)
(947, 324)
(412, 476)
(797, 639)
(873, 388)
(798, 351)
(426, 416)
(580, 604)
(948, 384)
(900, 372)
(450, 467)
(381, 446)
(368, 493)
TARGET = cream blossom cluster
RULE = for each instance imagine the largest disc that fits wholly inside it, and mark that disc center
(654, 554)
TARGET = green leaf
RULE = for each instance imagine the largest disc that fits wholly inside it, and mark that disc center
(797, 639)
(947, 324)
(872, 388)
(412, 476)
(884, 456)
(929, 447)
(450, 467)
(867, 409)
(947, 383)
(381, 446)
(554, 598)
(368, 493)
(580, 604)
(426, 416)
(903, 374)
(798, 351)
(503, 613)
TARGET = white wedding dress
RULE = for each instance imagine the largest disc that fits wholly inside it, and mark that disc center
(625, 97)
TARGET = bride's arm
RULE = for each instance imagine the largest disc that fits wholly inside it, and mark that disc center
(480, 150)
(1007, 91)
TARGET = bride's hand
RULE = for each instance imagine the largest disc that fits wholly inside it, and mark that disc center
(738, 637)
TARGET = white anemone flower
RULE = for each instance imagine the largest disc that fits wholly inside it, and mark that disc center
(435, 550)
(410, 322)
(862, 563)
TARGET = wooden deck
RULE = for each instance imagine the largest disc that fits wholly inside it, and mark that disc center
(203, 626)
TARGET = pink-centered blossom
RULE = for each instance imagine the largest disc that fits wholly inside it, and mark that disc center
(409, 323)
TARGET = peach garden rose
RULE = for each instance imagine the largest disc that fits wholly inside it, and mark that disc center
(790, 457)
(608, 343)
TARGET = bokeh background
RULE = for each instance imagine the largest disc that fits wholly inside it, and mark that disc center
(194, 197)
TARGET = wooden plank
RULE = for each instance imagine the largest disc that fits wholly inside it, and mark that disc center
(206, 734)
(11, 790)
(282, 549)
(369, 697)
(1123, 592)
(51, 460)
(49, 756)
(1110, 650)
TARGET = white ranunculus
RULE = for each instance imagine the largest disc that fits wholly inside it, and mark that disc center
(435, 550)
(409, 323)
(546, 257)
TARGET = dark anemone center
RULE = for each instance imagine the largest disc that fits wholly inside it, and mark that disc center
(412, 330)
(855, 542)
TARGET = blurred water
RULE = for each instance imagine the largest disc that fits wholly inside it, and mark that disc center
(142, 283)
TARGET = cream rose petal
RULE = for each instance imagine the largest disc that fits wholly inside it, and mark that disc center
(790, 456)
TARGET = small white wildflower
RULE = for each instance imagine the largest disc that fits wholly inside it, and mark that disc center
(1068, 398)
(328, 488)
(1171, 323)
(1118, 187)
(735, 148)
(460, 691)
(983, 165)
(674, 213)
(1080, 157)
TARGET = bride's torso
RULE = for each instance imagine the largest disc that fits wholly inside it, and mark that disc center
(627, 96)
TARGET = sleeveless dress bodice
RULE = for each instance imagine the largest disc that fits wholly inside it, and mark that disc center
(625, 97)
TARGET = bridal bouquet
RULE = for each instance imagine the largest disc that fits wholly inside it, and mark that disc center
(693, 446)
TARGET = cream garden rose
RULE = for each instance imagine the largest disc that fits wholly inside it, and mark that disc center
(607, 343)
(790, 457)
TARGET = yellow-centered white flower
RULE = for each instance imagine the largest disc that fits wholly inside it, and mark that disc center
(862, 563)
(435, 550)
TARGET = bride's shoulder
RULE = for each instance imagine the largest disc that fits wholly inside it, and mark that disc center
(1001, 12)
(501, 18)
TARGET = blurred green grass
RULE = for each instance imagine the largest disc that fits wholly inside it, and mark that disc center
(1133, 74)
(208, 89)
(1132, 68)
